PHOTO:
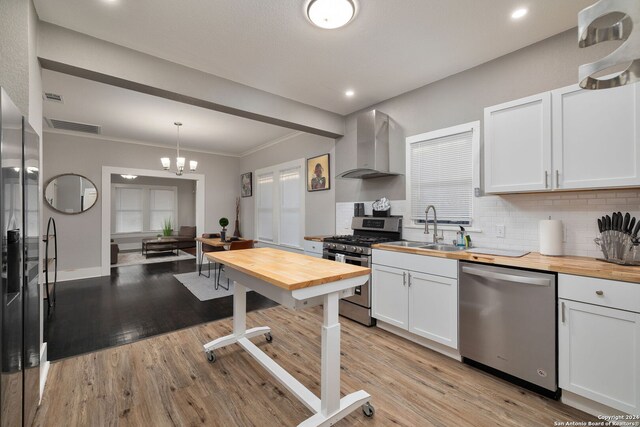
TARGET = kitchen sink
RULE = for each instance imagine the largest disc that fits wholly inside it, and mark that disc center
(406, 244)
(442, 247)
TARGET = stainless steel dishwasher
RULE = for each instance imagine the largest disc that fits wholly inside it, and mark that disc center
(508, 324)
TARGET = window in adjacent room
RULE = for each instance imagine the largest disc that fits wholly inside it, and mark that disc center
(443, 170)
(143, 208)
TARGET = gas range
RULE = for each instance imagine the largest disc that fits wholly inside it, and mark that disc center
(367, 231)
(354, 244)
(356, 249)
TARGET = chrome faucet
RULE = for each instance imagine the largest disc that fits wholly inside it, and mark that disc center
(436, 238)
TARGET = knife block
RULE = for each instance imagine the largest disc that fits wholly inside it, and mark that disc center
(618, 248)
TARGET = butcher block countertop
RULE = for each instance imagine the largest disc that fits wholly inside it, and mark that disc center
(286, 270)
(579, 266)
(315, 238)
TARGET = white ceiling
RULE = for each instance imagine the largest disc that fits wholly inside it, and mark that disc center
(392, 46)
(135, 117)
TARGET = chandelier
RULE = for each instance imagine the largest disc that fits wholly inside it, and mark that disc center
(180, 161)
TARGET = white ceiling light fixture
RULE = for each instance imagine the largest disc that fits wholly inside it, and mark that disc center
(180, 161)
(129, 176)
(331, 14)
(519, 13)
(349, 93)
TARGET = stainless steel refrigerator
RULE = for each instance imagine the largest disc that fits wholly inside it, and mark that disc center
(20, 308)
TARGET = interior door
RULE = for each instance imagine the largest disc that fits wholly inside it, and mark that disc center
(12, 272)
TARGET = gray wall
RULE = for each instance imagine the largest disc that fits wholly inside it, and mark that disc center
(319, 206)
(80, 235)
(461, 98)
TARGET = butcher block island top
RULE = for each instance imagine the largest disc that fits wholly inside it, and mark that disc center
(287, 270)
(579, 266)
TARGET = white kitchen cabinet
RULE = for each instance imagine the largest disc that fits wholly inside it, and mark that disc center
(517, 145)
(416, 293)
(433, 307)
(599, 340)
(313, 248)
(596, 137)
(390, 295)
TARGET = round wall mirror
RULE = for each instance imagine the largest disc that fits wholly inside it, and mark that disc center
(70, 193)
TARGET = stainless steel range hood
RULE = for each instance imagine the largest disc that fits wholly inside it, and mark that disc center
(380, 151)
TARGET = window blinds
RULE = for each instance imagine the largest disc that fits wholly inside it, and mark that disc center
(129, 210)
(265, 207)
(162, 206)
(442, 175)
(290, 204)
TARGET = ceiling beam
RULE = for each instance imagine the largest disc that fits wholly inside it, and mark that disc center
(77, 54)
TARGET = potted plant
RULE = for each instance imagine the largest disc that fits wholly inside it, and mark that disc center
(223, 223)
(166, 228)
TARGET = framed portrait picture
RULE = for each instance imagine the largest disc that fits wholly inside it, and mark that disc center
(246, 185)
(318, 174)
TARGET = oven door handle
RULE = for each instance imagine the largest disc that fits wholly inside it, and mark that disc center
(346, 257)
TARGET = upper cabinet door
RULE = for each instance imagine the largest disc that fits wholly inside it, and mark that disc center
(596, 137)
(517, 145)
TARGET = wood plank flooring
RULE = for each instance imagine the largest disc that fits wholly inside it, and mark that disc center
(166, 381)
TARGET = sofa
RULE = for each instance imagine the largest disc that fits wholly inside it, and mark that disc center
(186, 237)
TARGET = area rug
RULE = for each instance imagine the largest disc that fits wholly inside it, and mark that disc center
(203, 287)
(134, 258)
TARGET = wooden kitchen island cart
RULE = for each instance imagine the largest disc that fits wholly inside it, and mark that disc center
(295, 281)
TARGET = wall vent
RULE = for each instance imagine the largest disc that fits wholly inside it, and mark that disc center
(53, 97)
(74, 126)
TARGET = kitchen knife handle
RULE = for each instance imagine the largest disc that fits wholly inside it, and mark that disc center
(546, 179)
(557, 178)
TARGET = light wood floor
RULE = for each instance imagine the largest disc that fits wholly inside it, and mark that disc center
(166, 380)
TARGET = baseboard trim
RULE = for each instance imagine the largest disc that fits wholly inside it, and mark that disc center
(80, 273)
(432, 345)
(587, 405)
(44, 369)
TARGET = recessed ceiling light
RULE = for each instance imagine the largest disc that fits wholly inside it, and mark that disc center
(331, 14)
(349, 93)
(519, 13)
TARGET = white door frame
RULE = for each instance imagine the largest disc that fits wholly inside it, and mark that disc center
(107, 171)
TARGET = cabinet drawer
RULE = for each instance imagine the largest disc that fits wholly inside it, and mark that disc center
(420, 263)
(608, 293)
(313, 247)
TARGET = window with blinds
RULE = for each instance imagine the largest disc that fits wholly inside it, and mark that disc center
(129, 210)
(143, 208)
(279, 207)
(162, 207)
(442, 169)
(264, 208)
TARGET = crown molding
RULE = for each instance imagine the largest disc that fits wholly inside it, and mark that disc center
(271, 143)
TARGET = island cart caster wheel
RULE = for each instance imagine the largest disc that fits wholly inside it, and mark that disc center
(368, 410)
(211, 357)
(268, 337)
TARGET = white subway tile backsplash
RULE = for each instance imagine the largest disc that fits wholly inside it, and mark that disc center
(520, 213)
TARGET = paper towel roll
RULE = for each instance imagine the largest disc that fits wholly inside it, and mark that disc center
(551, 237)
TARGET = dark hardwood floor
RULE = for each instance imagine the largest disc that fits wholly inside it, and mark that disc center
(136, 302)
